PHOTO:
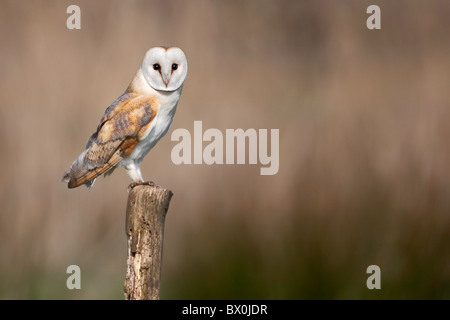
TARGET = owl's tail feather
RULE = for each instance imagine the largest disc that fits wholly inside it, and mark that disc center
(79, 174)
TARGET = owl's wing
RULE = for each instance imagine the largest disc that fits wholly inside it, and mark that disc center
(120, 129)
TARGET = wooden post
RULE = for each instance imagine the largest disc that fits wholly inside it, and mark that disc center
(146, 212)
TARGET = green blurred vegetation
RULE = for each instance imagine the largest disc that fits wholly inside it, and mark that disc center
(364, 155)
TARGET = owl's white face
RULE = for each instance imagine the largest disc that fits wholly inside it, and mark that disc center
(165, 69)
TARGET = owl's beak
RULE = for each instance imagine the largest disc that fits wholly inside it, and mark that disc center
(166, 80)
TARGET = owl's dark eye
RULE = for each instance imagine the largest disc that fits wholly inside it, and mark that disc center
(174, 66)
(156, 67)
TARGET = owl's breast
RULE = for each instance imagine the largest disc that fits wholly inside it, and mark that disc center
(154, 132)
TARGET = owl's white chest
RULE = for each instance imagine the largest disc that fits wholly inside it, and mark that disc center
(158, 128)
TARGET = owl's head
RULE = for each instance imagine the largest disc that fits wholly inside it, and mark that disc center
(165, 69)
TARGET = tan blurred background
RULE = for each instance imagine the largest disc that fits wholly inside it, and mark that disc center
(364, 148)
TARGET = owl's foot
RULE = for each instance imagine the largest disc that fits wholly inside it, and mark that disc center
(151, 184)
(142, 183)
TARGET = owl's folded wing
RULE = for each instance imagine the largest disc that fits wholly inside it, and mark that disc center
(120, 129)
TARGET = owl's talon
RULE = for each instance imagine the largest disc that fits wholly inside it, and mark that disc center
(142, 183)
(131, 186)
(152, 184)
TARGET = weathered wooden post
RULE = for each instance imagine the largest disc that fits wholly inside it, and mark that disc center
(146, 212)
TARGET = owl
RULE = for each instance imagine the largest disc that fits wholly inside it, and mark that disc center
(135, 122)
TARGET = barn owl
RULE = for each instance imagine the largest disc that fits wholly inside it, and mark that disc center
(135, 122)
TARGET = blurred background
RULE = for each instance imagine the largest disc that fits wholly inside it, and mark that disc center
(364, 172)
